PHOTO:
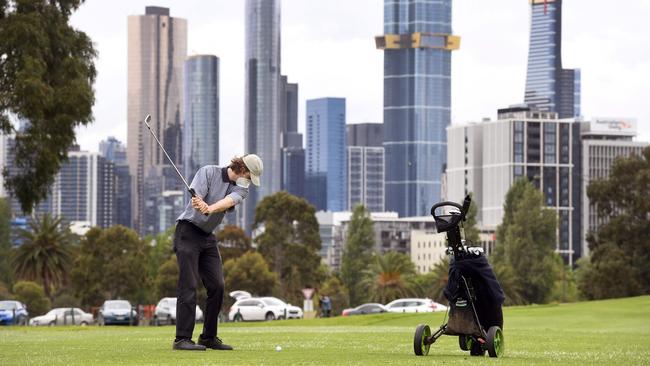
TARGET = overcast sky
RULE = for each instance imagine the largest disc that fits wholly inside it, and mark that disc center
(328, 49)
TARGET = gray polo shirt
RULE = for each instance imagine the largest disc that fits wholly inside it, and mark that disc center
(212, 184)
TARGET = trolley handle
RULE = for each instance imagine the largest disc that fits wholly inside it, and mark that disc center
(463, 209)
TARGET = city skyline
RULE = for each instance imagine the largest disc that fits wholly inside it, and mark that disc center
(594, 39)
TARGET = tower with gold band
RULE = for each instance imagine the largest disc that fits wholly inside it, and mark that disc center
(417, 44)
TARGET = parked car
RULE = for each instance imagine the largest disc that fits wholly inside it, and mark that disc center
(370, 308)
(117, 312)
(262, 308)
(63, 316)
(293, 312)
(414, 306)
(13, 313)
(165, 312)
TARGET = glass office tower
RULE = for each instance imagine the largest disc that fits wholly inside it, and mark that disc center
(262, 126)
(201, 113)
(549, 87)
(417, 44)
(325, 154)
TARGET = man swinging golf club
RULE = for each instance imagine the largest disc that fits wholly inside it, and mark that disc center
(217, 189)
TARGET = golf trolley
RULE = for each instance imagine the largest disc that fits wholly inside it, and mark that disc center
(474, 294)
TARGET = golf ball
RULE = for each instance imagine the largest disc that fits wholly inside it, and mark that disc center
(278, 348)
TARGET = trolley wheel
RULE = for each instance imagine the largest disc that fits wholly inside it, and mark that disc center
(477, 349)
(465, 342)
(495, 344)
(420, 344)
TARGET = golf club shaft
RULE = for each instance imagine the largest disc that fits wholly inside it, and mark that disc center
(189, 189)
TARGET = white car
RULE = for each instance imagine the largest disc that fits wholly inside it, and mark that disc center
(165, 312)
(63, 316)
(262, 308)
(414, 306)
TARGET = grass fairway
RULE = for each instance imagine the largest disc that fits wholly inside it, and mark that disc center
(599, 332)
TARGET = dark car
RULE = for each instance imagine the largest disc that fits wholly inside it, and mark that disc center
(370, 308)
(117, 312)
(13, 313)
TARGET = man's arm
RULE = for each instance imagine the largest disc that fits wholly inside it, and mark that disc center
(222, 205)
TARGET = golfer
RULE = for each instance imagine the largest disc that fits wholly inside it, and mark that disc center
(217, 190)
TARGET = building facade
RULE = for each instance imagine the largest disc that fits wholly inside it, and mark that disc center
(521, 143)
(262, 111)
(549, 87)
(114, 151)
(366, 166)
(325, 154)
(417, 45)
(603, 141)
(201, 114)
(157, 48)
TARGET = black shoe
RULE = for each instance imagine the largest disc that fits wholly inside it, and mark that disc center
(187, 345)
(214, 343)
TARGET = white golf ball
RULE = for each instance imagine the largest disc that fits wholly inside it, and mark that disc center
(278, 348)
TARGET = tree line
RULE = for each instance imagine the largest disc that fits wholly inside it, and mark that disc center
(53, 267)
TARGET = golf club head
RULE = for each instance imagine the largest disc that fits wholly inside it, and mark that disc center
(147, 119)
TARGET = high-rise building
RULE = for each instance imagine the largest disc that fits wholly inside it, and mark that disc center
(293, 164)
(417, 44)
(157, 48)
(549, 87)
(603, 140)
(520, 143)
(262, 110)
(288, 106)
(85, 189)
(325, 154)
(365, 166)
(114, 151)
(201, 114)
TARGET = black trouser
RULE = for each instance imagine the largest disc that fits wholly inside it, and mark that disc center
(198, 257)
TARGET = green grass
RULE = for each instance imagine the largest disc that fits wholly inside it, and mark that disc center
(599, 332)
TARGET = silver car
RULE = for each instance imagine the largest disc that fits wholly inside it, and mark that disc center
(63, 316)
(165, 312)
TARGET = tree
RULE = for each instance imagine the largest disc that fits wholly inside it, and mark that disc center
(357, 253)
(233, 242)
(337, 292)
(290, 241)
(32, 295)
(167, 279)
(4, 292)
(620, 249)
(251, 273)
(390, 276)
(46, 77)
(434, 282)
(111, 264)
(46, 254)
(6, 272)
(527, 242)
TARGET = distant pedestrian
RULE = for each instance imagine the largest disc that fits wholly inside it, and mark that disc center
(325, 306)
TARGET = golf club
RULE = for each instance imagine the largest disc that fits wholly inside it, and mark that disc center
(147, 119)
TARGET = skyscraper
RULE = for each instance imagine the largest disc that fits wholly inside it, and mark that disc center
(417, 44)
(325, 168)
(486, 158)
(262, 127)
(157, 46)
(114, 151)
(365, 166)
(549, 87)
(201, 114)
(603, 141)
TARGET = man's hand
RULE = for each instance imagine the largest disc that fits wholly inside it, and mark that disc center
(200, 205)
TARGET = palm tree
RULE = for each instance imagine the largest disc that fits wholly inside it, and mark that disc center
(45, 254)
(439, 276)
(390, 276)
